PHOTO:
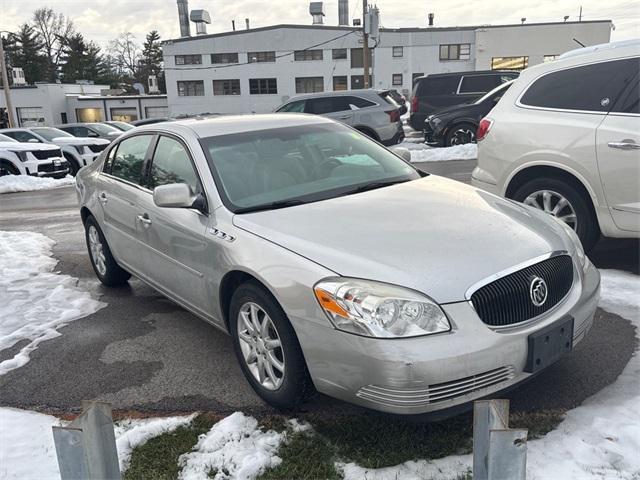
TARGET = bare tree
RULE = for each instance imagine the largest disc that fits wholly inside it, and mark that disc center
(55, 29)
(125, 53)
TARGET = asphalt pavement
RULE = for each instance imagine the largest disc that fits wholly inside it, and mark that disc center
(144, 352)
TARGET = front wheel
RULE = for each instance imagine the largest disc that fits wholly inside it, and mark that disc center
(267, 348)
(566, 203)
(104, 265)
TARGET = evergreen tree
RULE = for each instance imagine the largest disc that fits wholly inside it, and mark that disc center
(24, 49)
(151, 60)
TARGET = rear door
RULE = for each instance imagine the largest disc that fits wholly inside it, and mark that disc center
(618, 152)
(120, 193)
(336, 108)
(436, 93)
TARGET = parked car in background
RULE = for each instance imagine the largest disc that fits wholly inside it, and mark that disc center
(37, 159)
(565, 138)
(335, 265)
(400, 100)
(150, 121)
(124, 126)
(93, 130)
(435, 92)
(457, 125)
(79, 152)
(372, 112)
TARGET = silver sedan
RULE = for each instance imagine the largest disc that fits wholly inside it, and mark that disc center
(335, 265)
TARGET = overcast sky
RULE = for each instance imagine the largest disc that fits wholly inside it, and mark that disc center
(103, 20)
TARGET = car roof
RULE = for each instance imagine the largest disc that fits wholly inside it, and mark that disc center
(340, 93)
(467, 72)
(230, 124)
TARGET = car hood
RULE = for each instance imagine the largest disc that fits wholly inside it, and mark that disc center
(434, 235)
(80, 141)
(27, 147)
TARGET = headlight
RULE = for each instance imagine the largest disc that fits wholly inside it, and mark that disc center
(376, 309)
(580, 255)
(21, 155)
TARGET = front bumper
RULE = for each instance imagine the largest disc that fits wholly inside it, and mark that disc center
(432, 138)
(438, 372)
(56, 168)
(397, 138)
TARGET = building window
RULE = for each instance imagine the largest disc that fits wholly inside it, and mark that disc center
(397, 52)
(339, 54)
(259, 57)
(357, 82)
(307, 55)
(549, 58)
(309, 84)
(217, 58)
(124, 114)
(340, 83)
(263, 86)
(88, 115)
(456, 51)
(396, 79)
(32, 116)
(226, 87)
(188, 59)
(356, 58)
(191, 88)
(509, 63)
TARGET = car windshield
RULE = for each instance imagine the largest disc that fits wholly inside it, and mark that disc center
(281, 167)
(500, 89)
(50, 133)
(4, 138)
(103, 129)
(124, 126)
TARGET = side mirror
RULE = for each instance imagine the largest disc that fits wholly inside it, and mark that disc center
(91, 133)
(173, 195)
(403, 153)
(33, 140)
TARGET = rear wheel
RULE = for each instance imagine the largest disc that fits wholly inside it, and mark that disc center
(267, 348)
(107, 269)
(565, 202)
(461, 134)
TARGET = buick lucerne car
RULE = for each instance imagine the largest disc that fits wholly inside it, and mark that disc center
(334, 265)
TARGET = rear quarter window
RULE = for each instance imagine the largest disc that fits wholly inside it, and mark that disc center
(596, 87)
(438, 86)
(479, 83)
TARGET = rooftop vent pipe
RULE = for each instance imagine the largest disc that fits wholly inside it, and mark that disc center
(343, 12)
(183, 18)
(246, 20)
(431, 15)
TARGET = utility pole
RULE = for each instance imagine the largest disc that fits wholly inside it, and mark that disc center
(365, 43)
(580, 16)
(5, 85)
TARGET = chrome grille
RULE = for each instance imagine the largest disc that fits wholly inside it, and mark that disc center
(507, 301)
(436, 393)
(44, 154)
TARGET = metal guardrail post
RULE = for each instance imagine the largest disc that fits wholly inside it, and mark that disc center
(499, 453)
(86, 449)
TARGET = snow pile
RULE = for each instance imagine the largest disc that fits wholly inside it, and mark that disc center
(132, 433)
(424, 153)
(35, 301)
(598, 440)
(27, 183)
(233, 448)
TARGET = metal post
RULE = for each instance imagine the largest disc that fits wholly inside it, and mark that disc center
(5, 86)
(499, 453)
(365, 45)
(87, 447)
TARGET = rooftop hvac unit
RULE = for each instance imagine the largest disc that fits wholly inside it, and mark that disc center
(201, 18)
(316, 10)
(17, 76)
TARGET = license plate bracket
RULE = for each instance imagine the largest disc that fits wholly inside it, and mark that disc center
(546, 346)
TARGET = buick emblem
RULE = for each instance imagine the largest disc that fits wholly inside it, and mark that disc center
(538, 291)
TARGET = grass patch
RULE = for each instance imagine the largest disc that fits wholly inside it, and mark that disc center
(158, 458)
(539, 423)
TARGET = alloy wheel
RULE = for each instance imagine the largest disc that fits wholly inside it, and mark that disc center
(261, 346)
(97, 253)
(554, 204)
(462, 135)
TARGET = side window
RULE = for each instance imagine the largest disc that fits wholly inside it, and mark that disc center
(297, 106)
(23, 136)
(129, 158)
(479, 83)
(438, 85)
(359, 102)
(323, 105)
(630, 103)
(109, 160)
(172, 164)
(593, 88)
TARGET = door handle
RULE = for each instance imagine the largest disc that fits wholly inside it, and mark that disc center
(103, 198)
(144, 219)
(625, 145)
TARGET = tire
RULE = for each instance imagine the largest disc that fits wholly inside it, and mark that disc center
(107, 270)
(455, 135)
(586, 225)
(7, 168)
(295, 385)
(74, 166)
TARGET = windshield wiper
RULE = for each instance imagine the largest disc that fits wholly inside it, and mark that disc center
(375, 185)
(271, 206)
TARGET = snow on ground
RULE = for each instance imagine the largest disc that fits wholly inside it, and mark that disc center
(421, 152)
(27, 183)
(35, 300)
(132, 433)
(27, 450)
(234, 448)
(598, 440)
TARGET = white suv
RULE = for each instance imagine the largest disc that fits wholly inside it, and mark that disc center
(36, 159)
(78, 151)
(565, 138)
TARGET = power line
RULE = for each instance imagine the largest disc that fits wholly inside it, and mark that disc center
(209, 67)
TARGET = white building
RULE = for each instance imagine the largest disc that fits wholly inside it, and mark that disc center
(55, 103)
(258, 69)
